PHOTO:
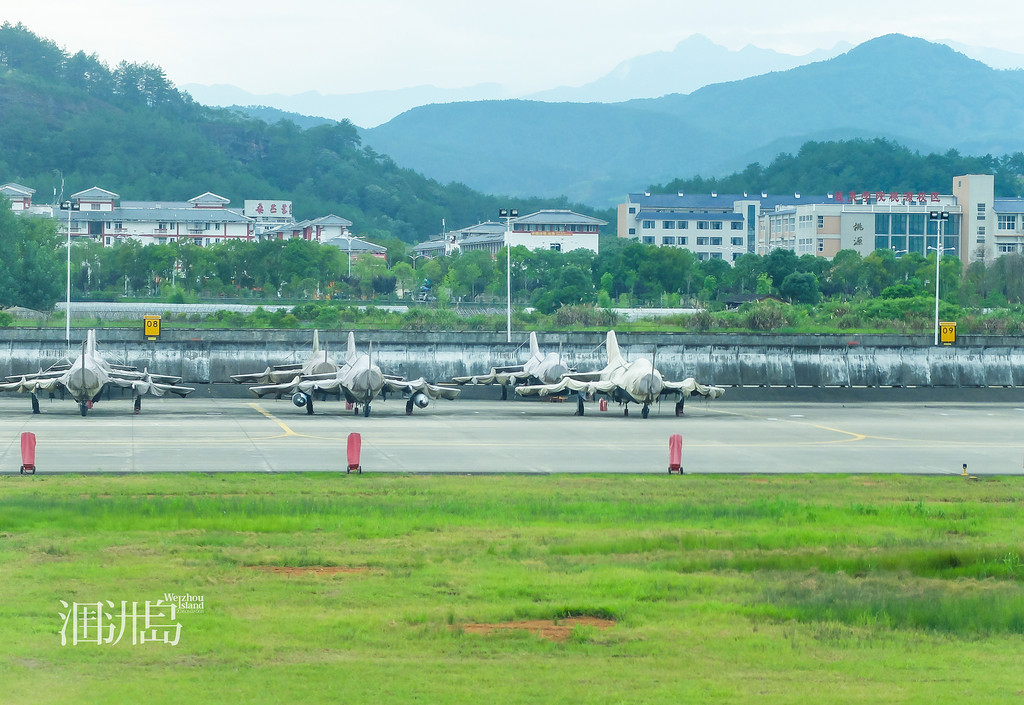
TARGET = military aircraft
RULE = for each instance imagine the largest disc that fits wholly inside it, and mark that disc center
(625, 382)
(539, 369)
(359, 380)
(318, 363)
(89, 376)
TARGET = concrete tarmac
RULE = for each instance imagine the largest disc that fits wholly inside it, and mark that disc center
(515, 436)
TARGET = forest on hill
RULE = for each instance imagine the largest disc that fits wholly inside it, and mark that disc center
(127, 129)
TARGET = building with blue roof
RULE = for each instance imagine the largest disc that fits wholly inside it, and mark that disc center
(976, 226)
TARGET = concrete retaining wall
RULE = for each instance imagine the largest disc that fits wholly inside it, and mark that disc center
(731, 360)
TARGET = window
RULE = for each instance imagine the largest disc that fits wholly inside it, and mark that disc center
(716, 225)
(668, 225)
(1008, 222)
(648, 239)
(981, 211)
(703, 225)
(716, 241)
(632, 231)
(821, 244)
(881, 223)
(668, 240)
(899, 223)
(703, 256)
(632, 209)
(703, 240)
(681, 240)
(736, 241)
(647, 224)
(1007, 248)
(981, 230)
(736, 225)
(821, 223)
(716, 255)
(916, 224)
(556, 246)
(94, 206)
(683, 225)
(881, 242)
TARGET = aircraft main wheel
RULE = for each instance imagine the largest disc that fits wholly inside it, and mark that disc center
(309, 404)
(679, 408)
(35, 404)
(645, 412)
(504, 392)
(625, 412)
(408, 407)
(579, 406)
(366, 409)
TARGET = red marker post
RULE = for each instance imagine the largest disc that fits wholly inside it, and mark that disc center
(675, 454)
(28, 453)
(355, 443)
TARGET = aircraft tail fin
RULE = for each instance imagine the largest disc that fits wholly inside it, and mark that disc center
(316, 341)
(612, 345)
(350, 356)
(90, 345)
(534, 347)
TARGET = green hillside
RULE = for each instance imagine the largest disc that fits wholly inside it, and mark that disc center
(905, 90)
(128, 129)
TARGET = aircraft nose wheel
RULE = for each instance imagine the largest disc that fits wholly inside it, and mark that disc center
(366, 409)
(83, 408)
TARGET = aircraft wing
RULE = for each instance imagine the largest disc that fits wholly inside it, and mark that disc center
(568, 383)
(253, 377)
(31, 383)
(497, 375)
(148, 384)
(691, 387)
(434, 391)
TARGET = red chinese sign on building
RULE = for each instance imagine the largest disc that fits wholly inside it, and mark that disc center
(919, 197)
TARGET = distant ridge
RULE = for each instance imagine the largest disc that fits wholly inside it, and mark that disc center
(901, 88)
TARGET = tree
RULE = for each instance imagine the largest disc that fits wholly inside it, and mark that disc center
(32, 269)
(800, 288)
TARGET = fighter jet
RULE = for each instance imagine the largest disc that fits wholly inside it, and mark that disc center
(360, 380)
(539, 369)
(318, 363)
(625, 382)
(89, 376)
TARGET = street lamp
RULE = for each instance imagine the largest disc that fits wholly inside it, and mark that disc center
(508, 215)
(68, 206)
(939, 217)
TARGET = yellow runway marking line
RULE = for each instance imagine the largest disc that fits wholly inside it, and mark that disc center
(284, 426)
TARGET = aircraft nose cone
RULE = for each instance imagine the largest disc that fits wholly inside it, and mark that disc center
(554, 373)
(651, 385)
(367, 383)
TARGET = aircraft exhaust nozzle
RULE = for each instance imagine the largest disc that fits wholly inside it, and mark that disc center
(299, 399)
(420, 400)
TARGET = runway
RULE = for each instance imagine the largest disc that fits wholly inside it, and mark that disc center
(516, 436)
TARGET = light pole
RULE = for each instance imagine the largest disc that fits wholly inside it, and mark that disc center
(68, 206)
(939, 217)
(508, 215)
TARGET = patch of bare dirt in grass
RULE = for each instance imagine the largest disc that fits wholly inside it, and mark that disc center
(555, 630)
(309, 569)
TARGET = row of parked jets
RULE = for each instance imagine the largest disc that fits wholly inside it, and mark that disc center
(360, 381)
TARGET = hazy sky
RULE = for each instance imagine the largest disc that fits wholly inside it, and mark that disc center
(344, 46)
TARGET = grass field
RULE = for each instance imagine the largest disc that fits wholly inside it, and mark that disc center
(335, 589)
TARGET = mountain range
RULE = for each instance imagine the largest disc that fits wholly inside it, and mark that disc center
(914, 92)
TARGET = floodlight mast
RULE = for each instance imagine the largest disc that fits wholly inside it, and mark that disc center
(508, 215)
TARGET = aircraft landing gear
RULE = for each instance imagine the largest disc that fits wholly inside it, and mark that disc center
(408, 407)
(579, 405)
(309, 404)
(366, 409)
(504, 392)
(83, 406)
(138, 404)
(645, 411)
(679, 407)
(625, 411)
(35, 404)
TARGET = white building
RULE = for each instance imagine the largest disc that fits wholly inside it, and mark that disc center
(976, 225)
(558, 230)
